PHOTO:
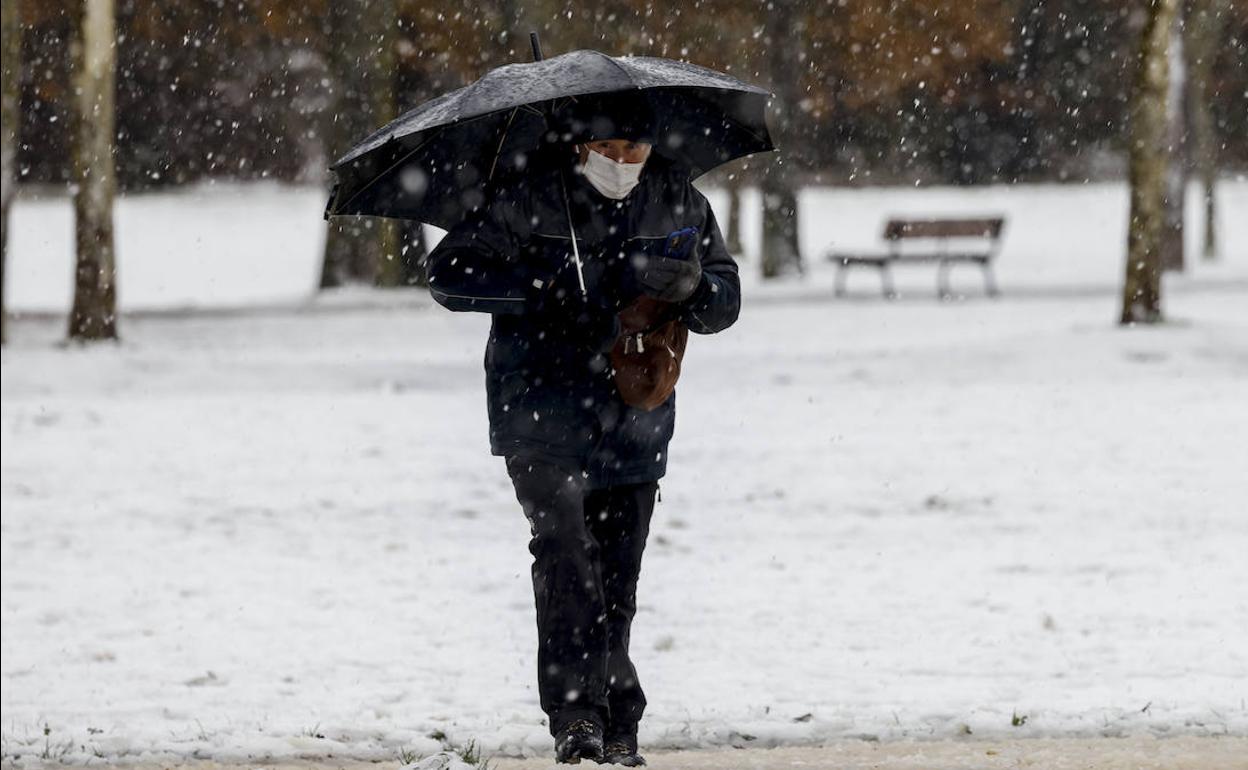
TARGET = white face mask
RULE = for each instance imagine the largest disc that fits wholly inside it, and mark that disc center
(612, 179)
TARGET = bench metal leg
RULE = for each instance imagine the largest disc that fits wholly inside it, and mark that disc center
(886, 281)
(942, 281)
(886, 278)
(990, 282)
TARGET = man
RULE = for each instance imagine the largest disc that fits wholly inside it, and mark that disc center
(585, 465)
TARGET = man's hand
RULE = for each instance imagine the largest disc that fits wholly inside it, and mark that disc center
(670, 280)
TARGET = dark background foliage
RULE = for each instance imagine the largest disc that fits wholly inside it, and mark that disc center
(944, 91)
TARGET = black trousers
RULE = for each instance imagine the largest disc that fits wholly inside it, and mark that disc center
(586, 547)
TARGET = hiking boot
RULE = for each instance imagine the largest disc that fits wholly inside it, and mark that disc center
(622, 750)
(580, 739)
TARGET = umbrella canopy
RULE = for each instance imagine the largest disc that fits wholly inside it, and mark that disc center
(435, 163)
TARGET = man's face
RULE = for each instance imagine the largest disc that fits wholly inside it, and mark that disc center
(618, 150)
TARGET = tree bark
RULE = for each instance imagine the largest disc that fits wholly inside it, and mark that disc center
(780, 252)
(1141, 291)
(780, 249)
(1203, 29)
(1172, 250)
(361, 43)
(513, 39)
(10, 113)
(733, 236)
(94, 313)
(413, 254)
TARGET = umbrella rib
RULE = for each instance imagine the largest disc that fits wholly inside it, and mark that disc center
(421, 146)
(393, 166)
(747, 129)
(403, 159)
(628, 75)
(499, 151)
(729, 118)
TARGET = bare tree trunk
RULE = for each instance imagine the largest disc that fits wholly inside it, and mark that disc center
(362, 66)
(780, 250)
(94, 314)
(10, 114)
(1172, 251)
(385, 105)
(1141, 292)
(734, 216)
(413, 254)
(513, 38)
(1203, 29)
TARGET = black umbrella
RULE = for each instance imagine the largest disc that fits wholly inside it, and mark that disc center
(435, 163)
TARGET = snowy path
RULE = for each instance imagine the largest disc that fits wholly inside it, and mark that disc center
(1048, 754)
(1184, 753)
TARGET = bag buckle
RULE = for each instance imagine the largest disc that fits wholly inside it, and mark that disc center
(636, 341)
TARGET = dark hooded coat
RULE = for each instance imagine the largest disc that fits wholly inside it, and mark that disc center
(549, 383)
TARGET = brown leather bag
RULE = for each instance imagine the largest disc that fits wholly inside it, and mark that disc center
(646, 358)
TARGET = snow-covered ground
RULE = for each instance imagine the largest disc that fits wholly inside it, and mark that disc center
(281, 534)
(230, 245)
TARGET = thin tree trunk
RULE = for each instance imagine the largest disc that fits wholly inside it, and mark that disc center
(10, 114)
(385, 106)
(1141, 292)
(734, 216)
(362, 66)
(780, 250)
(779, 225)
(517, 23)
(412, 255)
(1203, 29)
(94, 314)
(1172, 250)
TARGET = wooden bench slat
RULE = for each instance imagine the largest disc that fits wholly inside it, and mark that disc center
(943, 228)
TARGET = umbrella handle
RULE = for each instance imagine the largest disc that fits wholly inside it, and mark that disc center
(576, 252)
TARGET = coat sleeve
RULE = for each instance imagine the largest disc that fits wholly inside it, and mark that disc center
(480, 266)
(716, 302)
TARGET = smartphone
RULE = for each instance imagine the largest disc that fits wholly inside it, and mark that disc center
(680, 243)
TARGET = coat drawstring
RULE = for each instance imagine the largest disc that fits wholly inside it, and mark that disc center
(576, 252)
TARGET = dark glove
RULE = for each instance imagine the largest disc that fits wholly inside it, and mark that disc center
(670, 280)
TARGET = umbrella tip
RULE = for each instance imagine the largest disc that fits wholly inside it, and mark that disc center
(537, 47)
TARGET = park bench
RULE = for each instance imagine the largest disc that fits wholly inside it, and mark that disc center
(929, 240)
